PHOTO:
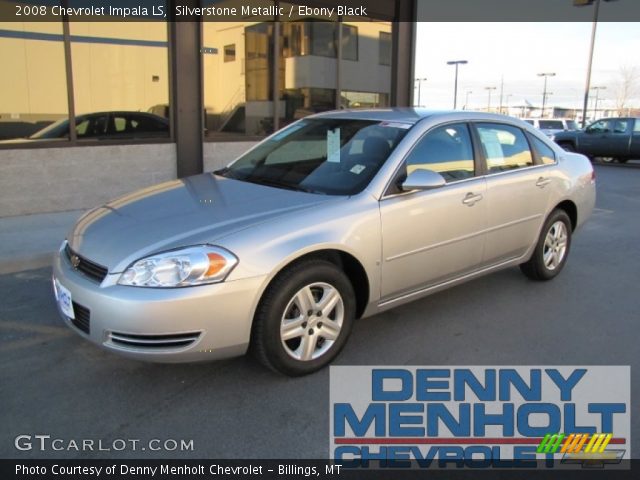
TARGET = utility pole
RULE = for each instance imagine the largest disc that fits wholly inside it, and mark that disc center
(420, 80)
(544, 91)
(595, 107)
(489, 89)
(455, 83)
(501, 92)
(466, 100)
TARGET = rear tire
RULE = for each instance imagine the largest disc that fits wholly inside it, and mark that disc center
(552, 249)
(607, 159)
(304, 318)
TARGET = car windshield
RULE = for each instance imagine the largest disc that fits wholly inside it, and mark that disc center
(572, 125)
(327, 155)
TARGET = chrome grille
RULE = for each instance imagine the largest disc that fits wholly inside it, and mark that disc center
(86, 267)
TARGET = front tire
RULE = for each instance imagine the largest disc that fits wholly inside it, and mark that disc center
(304, 318)
(552, 249)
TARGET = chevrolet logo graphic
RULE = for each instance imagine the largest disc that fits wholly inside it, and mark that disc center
(75, 261)
(582, 448)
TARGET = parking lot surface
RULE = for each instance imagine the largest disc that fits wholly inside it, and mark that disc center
(54, 383)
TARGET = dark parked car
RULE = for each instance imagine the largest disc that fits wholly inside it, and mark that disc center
(101, 125)
(609, 138)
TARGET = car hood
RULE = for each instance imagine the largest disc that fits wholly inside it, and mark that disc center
(185, 212)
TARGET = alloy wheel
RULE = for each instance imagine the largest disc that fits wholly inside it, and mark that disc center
(555, 245)
(312, 321)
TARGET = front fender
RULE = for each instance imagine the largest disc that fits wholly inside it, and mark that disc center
(351, 226)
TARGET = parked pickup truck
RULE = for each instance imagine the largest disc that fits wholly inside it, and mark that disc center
(609, 138)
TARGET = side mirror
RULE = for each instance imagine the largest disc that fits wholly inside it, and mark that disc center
(423, 179)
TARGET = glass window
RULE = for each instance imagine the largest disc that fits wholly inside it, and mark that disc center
(447, 150)
(545, 152)
(384, 48)
(636, 127)
(230, 53)
(364, 99)
(620, 126)
(33, 82)
(600, 126)
(323, 37)
(119, 70)
(239, 95)
(328, 156)
(505, 147)
(349, 42)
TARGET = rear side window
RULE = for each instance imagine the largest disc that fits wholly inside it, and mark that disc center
(505, 147)
(620, 126)
(544, 151)
(446, 150)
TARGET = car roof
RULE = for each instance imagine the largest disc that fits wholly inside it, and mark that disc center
(409, 115)
(117, 112)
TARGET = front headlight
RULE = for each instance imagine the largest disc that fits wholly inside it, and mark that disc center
(181, 268)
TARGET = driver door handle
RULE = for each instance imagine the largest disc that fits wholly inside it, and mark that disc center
(470, 199)
(543, 182)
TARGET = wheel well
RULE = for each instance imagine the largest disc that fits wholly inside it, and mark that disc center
(570, 209)
(350, 266)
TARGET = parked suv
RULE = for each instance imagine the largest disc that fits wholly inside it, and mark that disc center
(551, 126)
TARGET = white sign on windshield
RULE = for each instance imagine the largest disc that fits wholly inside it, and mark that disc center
(333, 145)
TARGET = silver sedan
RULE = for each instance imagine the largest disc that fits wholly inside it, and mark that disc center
(338, 216)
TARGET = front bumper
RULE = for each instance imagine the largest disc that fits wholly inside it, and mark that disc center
(187, 324)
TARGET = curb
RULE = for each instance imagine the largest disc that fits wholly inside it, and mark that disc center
(31, 262)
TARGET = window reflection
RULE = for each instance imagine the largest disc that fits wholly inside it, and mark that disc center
(33, 90)
(120, 79)
(240, 71)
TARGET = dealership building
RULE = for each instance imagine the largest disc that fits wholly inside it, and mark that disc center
(142, 102)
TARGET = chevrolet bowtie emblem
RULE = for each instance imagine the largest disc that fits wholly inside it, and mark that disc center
(75, 261)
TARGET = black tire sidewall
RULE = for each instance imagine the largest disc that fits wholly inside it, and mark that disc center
(278, 297)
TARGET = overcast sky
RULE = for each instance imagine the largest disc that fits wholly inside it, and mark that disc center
(518, 52)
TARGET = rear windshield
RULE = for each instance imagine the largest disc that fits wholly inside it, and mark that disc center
(551, 125)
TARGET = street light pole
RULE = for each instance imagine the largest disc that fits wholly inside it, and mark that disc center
(544, 91)
(595, 107)
(489, 89)
(466, 100)
(455, 84)
(587, 87)
(420, 80)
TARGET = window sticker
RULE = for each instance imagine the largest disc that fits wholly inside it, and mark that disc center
(357, 169)
(333, 145)
(492, 146)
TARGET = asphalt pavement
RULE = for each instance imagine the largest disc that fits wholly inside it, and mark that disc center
(54, 383)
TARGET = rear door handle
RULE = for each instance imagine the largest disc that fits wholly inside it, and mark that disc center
(470, 199)
(543, 182)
